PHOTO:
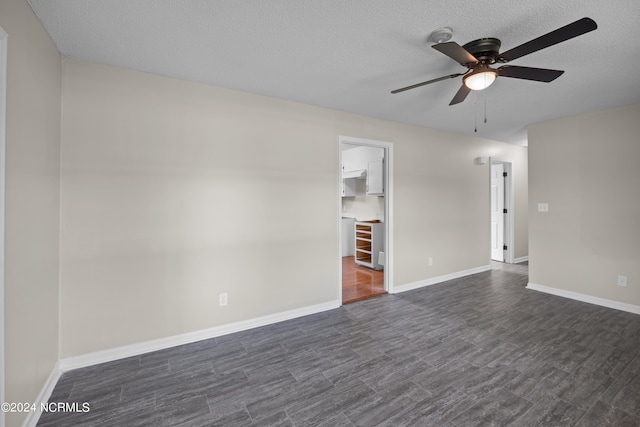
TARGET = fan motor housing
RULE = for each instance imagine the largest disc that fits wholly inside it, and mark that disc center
(486, 50)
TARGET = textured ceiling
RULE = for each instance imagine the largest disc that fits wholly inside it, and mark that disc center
(349, 55)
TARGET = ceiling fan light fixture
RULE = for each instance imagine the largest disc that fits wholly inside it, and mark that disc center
(477, 56)
(480, 78)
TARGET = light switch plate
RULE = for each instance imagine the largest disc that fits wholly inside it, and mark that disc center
(543, 207)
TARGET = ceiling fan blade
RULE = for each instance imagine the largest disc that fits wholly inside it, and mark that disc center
(427, 82)
(461, 95)
(567, 32)
(529, 73)
(456, 52)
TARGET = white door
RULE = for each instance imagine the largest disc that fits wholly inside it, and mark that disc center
(497, 212)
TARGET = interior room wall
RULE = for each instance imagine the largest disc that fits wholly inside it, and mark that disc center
(442, 201)
(173, 192)
(586, 169)
(34, 80)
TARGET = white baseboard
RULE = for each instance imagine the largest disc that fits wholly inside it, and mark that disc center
(521, 259)
(95, 358)
(585, 298)
(432, 281)
(43, 397)
(110, 355)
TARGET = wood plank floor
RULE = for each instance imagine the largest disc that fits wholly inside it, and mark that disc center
(479, 350)
(359, 282)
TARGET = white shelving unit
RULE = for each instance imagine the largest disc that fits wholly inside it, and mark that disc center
(369, 236)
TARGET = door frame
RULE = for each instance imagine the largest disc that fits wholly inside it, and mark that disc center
(3, 133)
(508, 235)
(388, 207)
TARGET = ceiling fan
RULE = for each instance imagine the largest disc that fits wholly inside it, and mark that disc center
(479, 55)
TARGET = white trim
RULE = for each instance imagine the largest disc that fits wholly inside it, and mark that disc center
(511, 214)
(3, 134)
(521, 259)
(585, 298)
(388, 219)
(388, 207)
(34, 416)
(339, 216)
(97, 357)
(435, 280)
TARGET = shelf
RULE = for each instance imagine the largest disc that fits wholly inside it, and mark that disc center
(363, 257)
(369, 243)
(363, 245)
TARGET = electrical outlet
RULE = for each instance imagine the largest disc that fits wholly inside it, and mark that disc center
(430, 261)
(223, 299)
(622, 281)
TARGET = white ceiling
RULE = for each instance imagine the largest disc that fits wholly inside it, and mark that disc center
(349, 55)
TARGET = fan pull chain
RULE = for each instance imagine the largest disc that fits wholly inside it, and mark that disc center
(475, 112)
(475, 109)
(485, 107)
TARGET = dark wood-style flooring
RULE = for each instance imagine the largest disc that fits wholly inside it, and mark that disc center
(476, 351)
(359, 282)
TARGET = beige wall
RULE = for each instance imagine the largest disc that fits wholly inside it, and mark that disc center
(173, 192)
(32, 204)
(442, 202)
(586, 169)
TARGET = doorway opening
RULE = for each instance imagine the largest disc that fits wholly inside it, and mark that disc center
(501, 211)
(365, 216)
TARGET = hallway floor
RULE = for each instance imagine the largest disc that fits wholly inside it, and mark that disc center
(359, 282)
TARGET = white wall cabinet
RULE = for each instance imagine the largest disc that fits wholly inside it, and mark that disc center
(369, 242)
(369, 159)
(375, 178)
(349, 187)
